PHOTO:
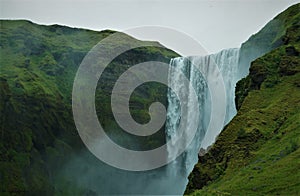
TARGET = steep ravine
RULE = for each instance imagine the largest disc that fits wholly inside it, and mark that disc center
(258, 152)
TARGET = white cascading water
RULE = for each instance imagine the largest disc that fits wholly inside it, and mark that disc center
(227, 62)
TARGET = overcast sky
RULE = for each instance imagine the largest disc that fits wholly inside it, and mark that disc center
(216, 24)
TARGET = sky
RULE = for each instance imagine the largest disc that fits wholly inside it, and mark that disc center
(215, 24)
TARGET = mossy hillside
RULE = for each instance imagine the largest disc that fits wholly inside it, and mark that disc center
(264, 67)
(140, 100)
(34, 113)
(37, 68)
(258, 152)
(271, 36)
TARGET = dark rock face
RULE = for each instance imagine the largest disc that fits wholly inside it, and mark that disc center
(291, 51)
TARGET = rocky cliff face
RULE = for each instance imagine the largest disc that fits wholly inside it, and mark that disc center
(258, 151)
(37, 68)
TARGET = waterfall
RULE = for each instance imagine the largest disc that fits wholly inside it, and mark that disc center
(170, 179)
(198, 69)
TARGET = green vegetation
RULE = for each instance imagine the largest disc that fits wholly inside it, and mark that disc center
(273, 35)
(258, 151)
(37, 134)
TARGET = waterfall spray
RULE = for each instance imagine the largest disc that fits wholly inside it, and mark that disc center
(227, 63)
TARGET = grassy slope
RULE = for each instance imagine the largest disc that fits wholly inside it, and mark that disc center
(258, 152)
(271, 36)
(37, 68)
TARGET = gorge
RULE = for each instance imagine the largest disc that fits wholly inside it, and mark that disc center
(252, 140)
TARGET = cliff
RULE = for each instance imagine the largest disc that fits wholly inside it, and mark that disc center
(258, 152)
(38, 135)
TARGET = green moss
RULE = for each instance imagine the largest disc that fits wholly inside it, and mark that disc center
(37, 132)
(281, 30)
